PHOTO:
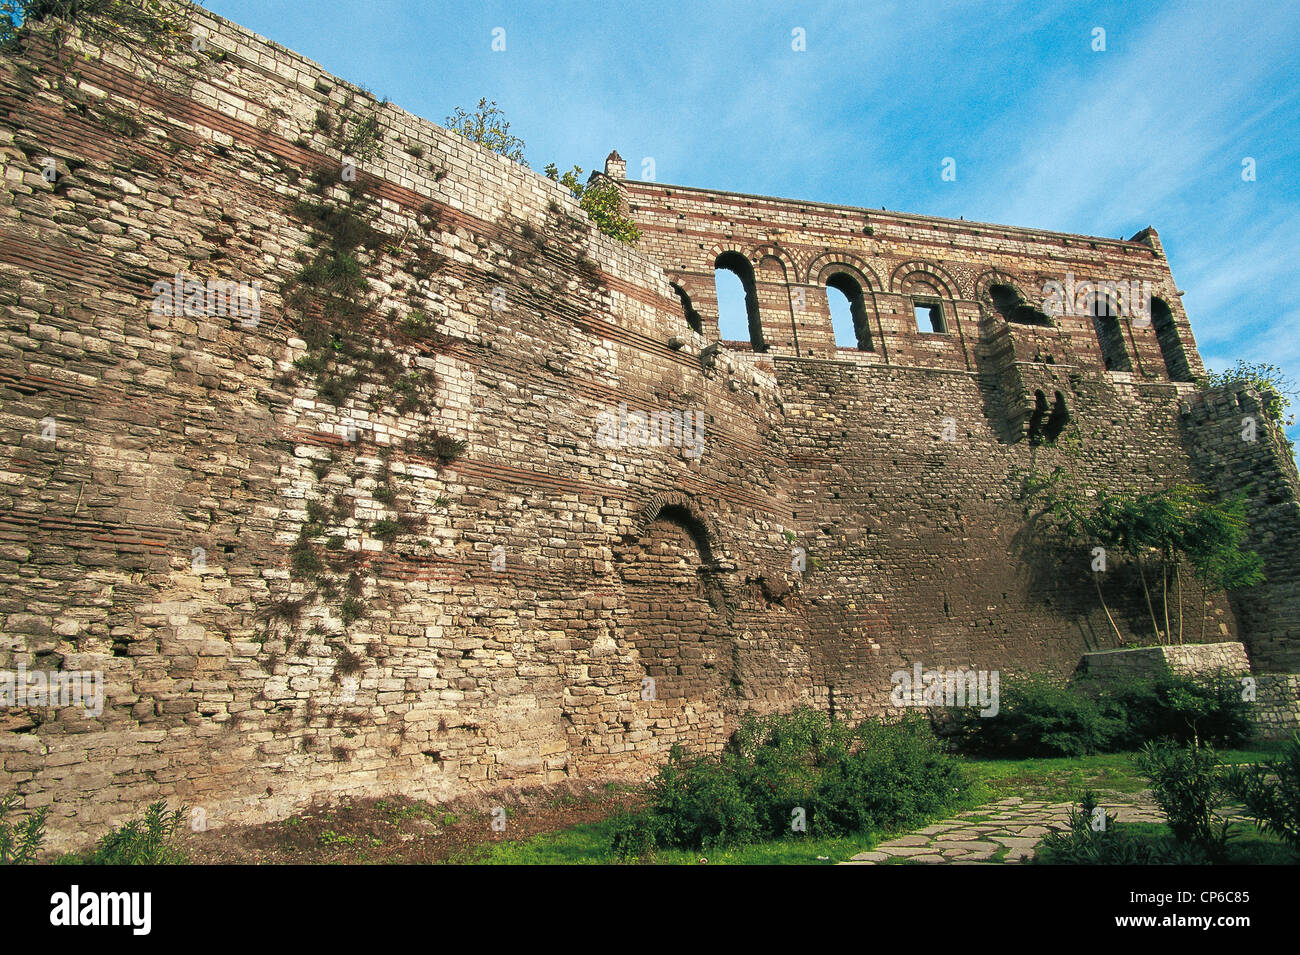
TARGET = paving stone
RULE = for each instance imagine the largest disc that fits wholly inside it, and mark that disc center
(1016, 843)
(903, 851)
(916, 840)
(871, 857)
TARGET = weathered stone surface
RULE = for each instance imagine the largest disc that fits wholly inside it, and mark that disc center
(187, 510)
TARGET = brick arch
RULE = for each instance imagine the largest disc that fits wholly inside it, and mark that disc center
(946, 283)
(702, 527)
(722, 248)
(772, 251)
(997, 277)
(824, 265)
(1028, 312)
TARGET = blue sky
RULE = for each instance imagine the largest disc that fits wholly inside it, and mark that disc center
(1045, 131)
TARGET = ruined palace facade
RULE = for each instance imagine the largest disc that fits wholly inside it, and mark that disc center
(523, 515)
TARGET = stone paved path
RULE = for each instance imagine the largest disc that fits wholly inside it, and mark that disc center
(1004, 831)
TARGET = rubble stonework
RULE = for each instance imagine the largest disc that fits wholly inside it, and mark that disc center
(547, 602)
(1276, 709)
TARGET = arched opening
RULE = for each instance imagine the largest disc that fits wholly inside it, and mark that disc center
(1014, 308)
(1110, 334)
(738, 320)
(848, 312)
(675, 615)
(688, 310)
(1171, 346)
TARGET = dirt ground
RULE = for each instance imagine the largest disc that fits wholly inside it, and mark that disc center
(398, 830)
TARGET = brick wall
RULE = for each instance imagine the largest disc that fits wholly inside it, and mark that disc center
(290, 597)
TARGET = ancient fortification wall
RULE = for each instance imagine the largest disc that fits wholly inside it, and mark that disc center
(296, 582)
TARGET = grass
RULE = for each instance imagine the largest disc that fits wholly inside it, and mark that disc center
(589, 845)
(1064, 779)
(1246, 845)
(1054, 780)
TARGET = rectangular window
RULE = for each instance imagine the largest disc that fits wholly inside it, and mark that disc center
(929, 317)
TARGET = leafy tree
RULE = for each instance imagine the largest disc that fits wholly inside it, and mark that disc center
(487, 127)
(1275, 389)
(1160, 531)
(602, 202)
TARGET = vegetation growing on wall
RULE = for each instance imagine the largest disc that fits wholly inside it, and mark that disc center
(487, 126)
(162, 25)
(1275, 388)
(353, 354)
(602, 202)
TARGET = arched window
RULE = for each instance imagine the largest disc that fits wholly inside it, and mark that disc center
(1110, 334)
(1171, 346)
(688, 310)
(848, 312)
(737, 300)
(1014, 308)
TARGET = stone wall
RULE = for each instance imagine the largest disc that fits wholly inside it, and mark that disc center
(1236, 448)
(1275, 708)
(1186, 660)
(299, 585)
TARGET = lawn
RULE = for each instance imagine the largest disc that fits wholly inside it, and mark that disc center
(589, 845)
(1064, 779)
(1246, 845)
(1056, 780)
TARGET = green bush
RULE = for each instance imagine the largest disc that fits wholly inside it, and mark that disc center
(1181, 708)
(897, 775)
(1187, 783)
(1093, 839)
(1271, 793)
(143, 841)
(1038, 716)
(633, 836)
(20, 840)
(778, 769)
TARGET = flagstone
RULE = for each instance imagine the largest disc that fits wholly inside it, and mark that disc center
(1012, 827)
